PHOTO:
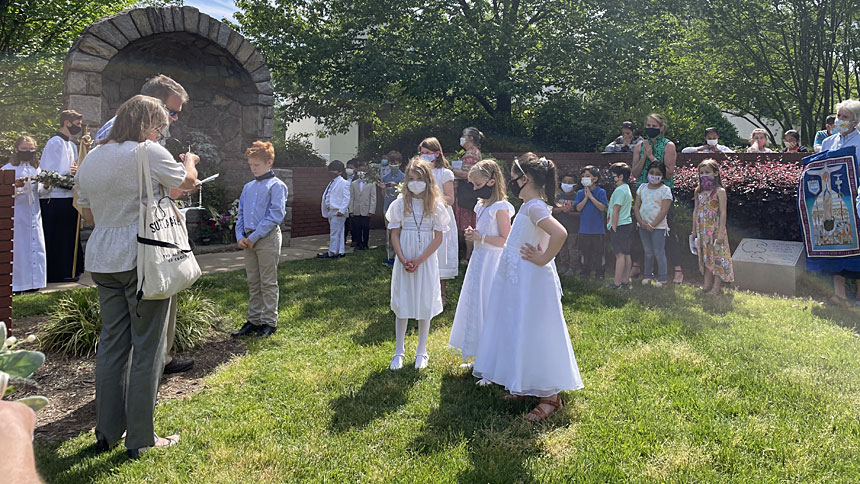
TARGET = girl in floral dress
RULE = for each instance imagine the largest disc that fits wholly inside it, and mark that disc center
(709, 228)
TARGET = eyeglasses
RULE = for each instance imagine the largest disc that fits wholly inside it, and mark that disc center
(173, 114)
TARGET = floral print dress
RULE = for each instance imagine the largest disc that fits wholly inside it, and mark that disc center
(713, 257)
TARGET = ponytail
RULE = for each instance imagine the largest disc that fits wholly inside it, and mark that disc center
(542, 172)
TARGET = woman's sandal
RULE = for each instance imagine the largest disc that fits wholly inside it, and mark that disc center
(538, 414)
(677, 279)
(168, 441)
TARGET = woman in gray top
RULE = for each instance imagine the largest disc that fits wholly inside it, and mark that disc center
(107, 184)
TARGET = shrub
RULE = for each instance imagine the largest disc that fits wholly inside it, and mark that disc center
(75, 325)
(762, 196)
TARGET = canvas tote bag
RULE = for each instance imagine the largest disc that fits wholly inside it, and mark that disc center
(165, 263)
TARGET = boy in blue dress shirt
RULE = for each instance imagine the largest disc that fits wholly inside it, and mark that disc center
(262, 207)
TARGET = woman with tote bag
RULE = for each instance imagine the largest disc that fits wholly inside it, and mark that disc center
(109, 190)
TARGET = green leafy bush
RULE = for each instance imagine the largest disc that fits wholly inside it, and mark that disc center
(74, 326)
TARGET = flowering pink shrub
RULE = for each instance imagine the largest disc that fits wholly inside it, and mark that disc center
(762, 196)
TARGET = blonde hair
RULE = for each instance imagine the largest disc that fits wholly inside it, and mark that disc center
(136, 118)
(759, 131)
(18, 142)
(425, 173)
(261, 150)
(661, 120)
(435, 146)
(490, 170)
(161, 87)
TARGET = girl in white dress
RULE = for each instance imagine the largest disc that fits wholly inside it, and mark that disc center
(493, 223)
(29, 260)
(431, 151)
(417, 220)
(525, 345)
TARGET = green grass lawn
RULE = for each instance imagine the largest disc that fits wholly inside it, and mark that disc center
(678, 388)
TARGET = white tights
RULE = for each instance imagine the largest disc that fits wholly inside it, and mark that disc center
(400, 334)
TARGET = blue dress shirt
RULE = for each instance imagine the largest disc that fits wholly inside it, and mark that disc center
(262, 207)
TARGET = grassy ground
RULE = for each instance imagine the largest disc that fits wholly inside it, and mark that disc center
(679, 388)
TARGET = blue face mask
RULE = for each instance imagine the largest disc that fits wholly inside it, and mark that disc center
(384, 162)
(429, 157)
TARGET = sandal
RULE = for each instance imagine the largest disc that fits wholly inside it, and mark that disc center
(421, 361)
(537, 414)
(168, 441)
(679, 276)
(397, 362)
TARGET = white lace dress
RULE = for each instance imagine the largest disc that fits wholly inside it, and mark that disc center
(449, 267)
(524, 345)
(475, 293)
(416, 295)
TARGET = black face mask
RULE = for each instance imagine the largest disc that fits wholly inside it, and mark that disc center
(74, 129)
(515, 187)
(25, 155)
(484, 192)
(652, 132)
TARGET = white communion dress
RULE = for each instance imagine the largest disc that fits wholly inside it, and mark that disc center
(475, 293)
(416, 295)
(449, 267)
(525, 345)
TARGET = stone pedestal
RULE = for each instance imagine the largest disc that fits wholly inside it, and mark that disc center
(770, 266)
(194, 218)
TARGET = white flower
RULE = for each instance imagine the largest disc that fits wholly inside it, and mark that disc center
(31, 338)
(11, 340)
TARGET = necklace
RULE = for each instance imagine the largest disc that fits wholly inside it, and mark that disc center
(418, 223)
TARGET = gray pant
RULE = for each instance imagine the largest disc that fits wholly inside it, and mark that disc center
(130, 360)
(654, 246)
(261, 266)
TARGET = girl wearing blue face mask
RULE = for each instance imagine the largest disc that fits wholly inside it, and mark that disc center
(431, 152)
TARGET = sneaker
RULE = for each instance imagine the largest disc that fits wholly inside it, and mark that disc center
(612, 285)
(389, 262)
(646, 282)
(659, 284)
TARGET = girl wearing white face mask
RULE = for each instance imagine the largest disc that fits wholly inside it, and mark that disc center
(431, 151)
(417, 220)
(590, 203)
(712, 144)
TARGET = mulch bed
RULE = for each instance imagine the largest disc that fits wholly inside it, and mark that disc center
(69, 383)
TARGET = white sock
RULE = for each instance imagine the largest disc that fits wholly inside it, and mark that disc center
(423, 333)
(400, 325)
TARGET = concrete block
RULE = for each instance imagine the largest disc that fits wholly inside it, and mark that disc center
(770, 266)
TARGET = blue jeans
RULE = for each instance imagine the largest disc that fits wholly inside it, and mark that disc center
(654, 245)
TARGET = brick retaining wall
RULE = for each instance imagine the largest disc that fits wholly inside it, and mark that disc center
(7, 211)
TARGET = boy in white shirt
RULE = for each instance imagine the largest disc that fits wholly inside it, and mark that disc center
(335, 206)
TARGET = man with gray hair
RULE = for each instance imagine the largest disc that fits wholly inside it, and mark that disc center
(172, 96)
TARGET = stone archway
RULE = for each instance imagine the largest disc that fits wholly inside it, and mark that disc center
(228, 82)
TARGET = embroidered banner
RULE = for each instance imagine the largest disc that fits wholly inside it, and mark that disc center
(826, 194)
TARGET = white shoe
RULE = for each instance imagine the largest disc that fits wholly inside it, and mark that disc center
(659, 284)
(646, 282)
(467, 366)
(397, 362)
(483, 382)
(421, 361)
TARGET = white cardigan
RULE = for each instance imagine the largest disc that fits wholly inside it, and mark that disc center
(335, 198)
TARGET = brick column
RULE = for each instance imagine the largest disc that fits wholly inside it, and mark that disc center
(7, 209)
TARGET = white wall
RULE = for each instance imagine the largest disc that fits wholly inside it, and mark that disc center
(342, 146)
(745, 128)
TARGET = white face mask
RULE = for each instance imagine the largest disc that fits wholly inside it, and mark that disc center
(655, 179)
(586, 181)
(349, 171)
(712, 142)
(567, 187)
(842, 126)
(416, 186)
(462, 141)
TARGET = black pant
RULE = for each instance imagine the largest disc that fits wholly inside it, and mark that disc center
(360, 226)
(60, 224)
(591, 247)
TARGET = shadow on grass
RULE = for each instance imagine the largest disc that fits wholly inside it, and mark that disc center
(382, 393)
(846, 317)
(86, 465)
(480, 417)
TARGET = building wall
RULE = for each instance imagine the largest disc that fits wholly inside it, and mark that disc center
(342, 146)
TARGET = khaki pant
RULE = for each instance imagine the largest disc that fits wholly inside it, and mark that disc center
(261, 266)
(129, 361)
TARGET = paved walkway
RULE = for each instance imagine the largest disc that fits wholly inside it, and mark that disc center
(300, 248)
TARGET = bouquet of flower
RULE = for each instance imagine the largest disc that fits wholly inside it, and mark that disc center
(224, 223)
(374, 173)
(52, 179)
